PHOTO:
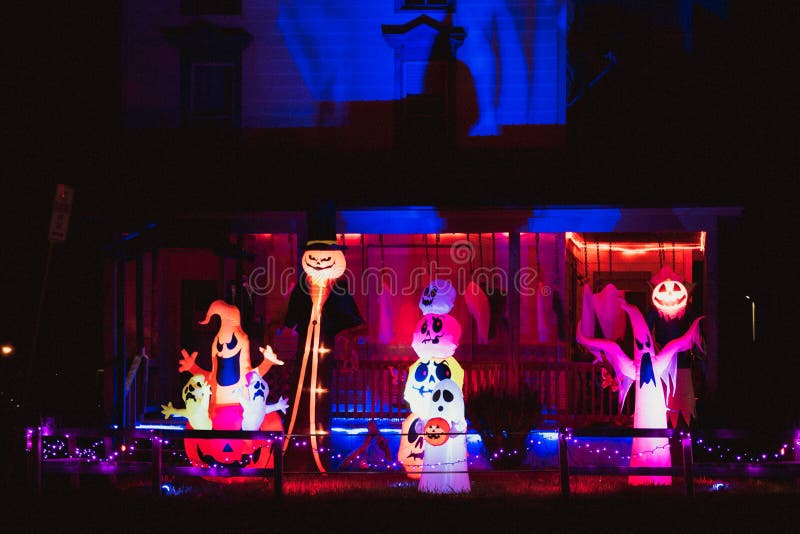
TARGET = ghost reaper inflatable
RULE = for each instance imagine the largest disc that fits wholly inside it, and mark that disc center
(320, 307)
(646, 371)
(231, 371)
(444, 467)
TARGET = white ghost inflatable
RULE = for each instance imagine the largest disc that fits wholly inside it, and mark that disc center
(438, 297)
(444, 465)
(646, 370)
(253, 399)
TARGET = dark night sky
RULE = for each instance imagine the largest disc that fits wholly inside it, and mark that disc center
(714, 128)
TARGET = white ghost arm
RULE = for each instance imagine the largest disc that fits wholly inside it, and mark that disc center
(282, 405)
(169, 411)
(605, 350)
(609, 351)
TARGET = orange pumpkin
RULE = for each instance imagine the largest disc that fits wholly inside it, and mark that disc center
(437, 431)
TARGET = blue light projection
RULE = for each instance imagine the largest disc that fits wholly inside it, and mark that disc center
(512, 52)
(407, 220)
(568, 219)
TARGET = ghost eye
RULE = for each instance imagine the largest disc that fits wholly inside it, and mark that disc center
(421, 373)
(232, 342)
(639, 345)
(426, 293)
(436, 395)
(442, 371)
(448, 396)
(437, 325)
(434, 291)
(424, 328)
(219, 346)
(647, 342)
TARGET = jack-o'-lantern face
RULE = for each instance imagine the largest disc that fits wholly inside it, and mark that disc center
(438, 297)
(233, 452)
(436, 336)
(412, 447)
(423, 375)
(323, 265)
(670, 298)
(437, 431)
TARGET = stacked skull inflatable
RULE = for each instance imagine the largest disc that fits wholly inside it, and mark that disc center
(435, 339)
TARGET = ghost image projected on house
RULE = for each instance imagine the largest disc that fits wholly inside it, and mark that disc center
(510, 55)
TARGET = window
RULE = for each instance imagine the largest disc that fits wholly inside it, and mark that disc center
(211, 7)
(428, 5)
(212, 92)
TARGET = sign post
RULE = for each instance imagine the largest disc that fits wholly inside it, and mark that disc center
(59, 224)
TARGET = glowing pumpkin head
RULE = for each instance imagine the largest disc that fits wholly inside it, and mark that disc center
(323, 265)
(411, 451)
(670, 298)
(437, 431)
(436, 336)
(423, 375)
(438, 297)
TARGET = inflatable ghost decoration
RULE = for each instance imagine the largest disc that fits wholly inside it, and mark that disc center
(606, 306)
(230, 356)
(647, 370)
(444, 465)
(230, 366)
(438, 297)
(253, 399)
(196, 395)
(478, 306)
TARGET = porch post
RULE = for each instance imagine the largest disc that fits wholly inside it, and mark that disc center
(513, 384)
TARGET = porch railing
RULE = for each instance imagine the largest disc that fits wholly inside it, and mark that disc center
(569, 392)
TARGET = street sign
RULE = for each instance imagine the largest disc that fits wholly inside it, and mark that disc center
(59, 220)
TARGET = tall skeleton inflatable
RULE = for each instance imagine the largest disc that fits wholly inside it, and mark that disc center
(647, 370)
(320, 307)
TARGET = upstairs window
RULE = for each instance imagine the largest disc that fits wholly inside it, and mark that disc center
(425, 5)
(211, 7)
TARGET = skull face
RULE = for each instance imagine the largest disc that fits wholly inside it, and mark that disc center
(447, 401)
(423, 375)
(670, 298)
(412, 447)
(437, 431)
(257, 388)
(196, 390)
(436, 336)
(323, 265)
(438, 297)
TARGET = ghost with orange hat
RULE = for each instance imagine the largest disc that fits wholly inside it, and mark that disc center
(230, 362)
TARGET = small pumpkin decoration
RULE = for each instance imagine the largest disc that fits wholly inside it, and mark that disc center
(437, 431)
